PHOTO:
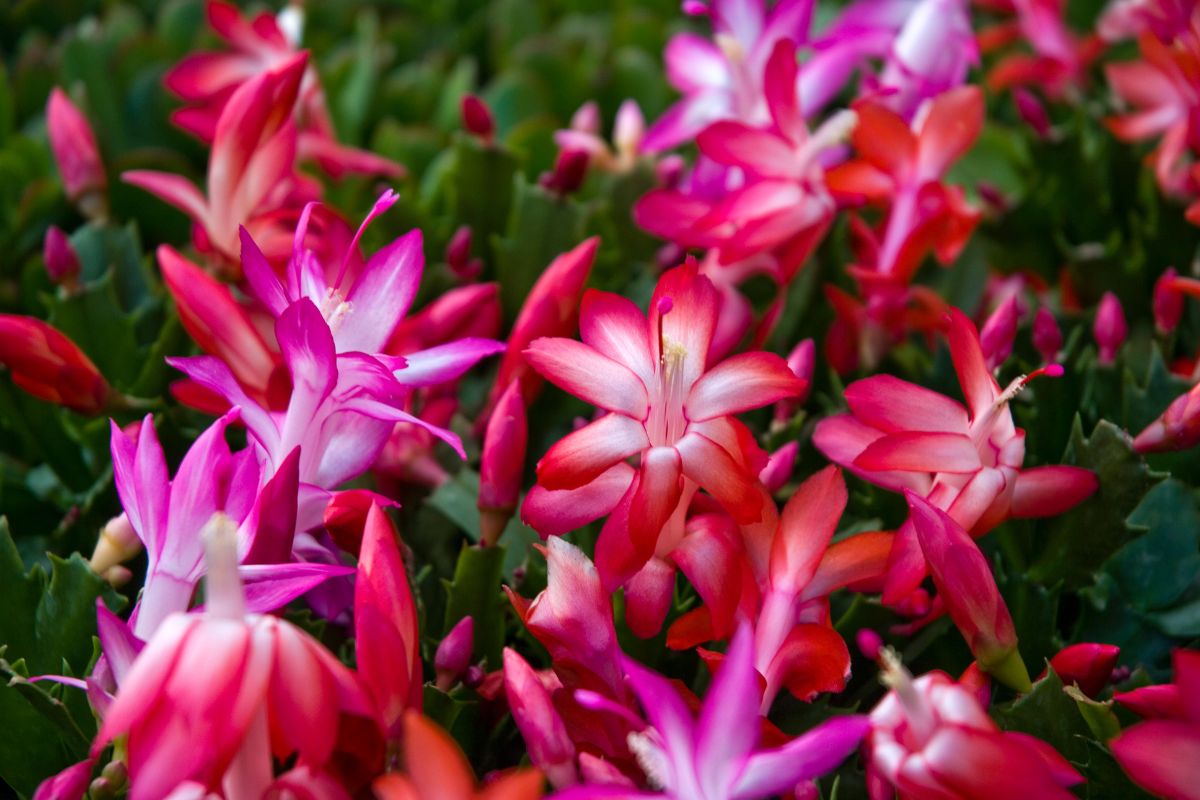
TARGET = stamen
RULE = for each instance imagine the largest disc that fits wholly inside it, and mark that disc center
(335, 308)
(650, 757)
(894, 676)
(1021, 381)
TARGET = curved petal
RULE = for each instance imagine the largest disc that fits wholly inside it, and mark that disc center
(582, 455)
(740, 383)
(921, 452)
(616, 328)
(811, 755)
(806, 528)
(553, 513)
(892, 405)
(1049, 491)
(590, 376)
(658, 491)
(382, 294)
(709, 465)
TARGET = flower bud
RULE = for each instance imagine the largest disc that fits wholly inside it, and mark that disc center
(76, 153)
(477, 118)
(1032, 112)
(1109, 329)
(48, 365)
(1086, 664)
(998, 332)
(1168, 303)
(1047, 337)
(62, 263)
(801, 361)
(117, 544)
(453, 654)
(570, 168)
(503, 463)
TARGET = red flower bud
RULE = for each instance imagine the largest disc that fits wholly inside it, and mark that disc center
(47, 364)
(477, 118)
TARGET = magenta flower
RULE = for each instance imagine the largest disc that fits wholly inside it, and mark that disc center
(715, 754)
(214, 695)
(77, 154)
(723, 79)
(966, 461)
(665, 405)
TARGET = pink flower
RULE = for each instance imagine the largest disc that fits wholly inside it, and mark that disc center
(207, 81)
(966, 461)
(1178, 428)
(715, 753)
(930, 739)
(77, 155)
(1059, 63)
(723, 79)
(46, 363)
(665, 405)
(628, 133)
(1162, 754)
(214, 695)
(251, 169)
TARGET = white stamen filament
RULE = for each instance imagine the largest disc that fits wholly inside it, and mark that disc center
(335, 308)
(666, 421)
(916, 709)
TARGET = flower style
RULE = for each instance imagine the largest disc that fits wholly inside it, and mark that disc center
(723, 79)
(1162, 754)
(966, 461)
(931, 739)
(716, 754)
(214, 695)
(651, 374)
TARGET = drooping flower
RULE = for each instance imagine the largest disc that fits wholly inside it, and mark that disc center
(966, 461)
(207, 81)
(215, 694)
(665, 404)
(715, 754)
(930, 739)
(1162, 754)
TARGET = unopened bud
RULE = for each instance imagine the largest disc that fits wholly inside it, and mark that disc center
(1168, 303)
(477, 118)
(1110, 329)
(117, 544)
(570, 168)
(62, 263)
(1047, 337)
(453, 655)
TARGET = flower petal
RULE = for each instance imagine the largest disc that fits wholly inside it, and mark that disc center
(590, 376)
(582, 455)
(740, 383)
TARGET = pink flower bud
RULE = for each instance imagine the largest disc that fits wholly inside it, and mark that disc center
(62, 263)
(669, 171)
(453, 654)
(117, 544)
(1032, 112)
(869, 643)
(780, 466)
(477, 118)
(587, 118)
(801, 360)
(1086, 664)
(458, 255)
(1109, 329)
(1177, 429)
(76, 152)
(48, 365)
(503, 463)
(1047, 337)
(550, 747)
(570, 168)
(1168, 303)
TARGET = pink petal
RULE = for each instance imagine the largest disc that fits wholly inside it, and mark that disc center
(658, 491)
(708, 556)
(444, 363)
(711, 466)
(616, 328)
(921, 452)
(808, 756)
(695, 63)
(584, 454)
(553, 513)
(648, 597)
(806, 528)
(978, 385)
(740, 383)
(738, 145)
(174, 189)
(382, 294)
(893, 405)
(1049, 491)
(590, 376)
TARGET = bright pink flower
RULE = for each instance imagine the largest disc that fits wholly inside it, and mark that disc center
(966, 461)
(207, 80)
(1162, 754)
(551, 748)
(1059, 63)
(965, 585)
(930, 739)
(62, 262)
(715, 754)
(1129, 19)
(1178, 428)
(502, 464)
(453, 654)
(1087, 665)
(251, 169)
(783, 201)
(214, 695)
(77, 155)
(47, 364)
(167, 514)
(723, 79)
(386, 645)
(1109, 328)
(665, 404)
